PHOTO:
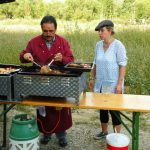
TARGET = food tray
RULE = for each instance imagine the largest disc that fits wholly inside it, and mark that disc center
(11, 68)
(79, 66)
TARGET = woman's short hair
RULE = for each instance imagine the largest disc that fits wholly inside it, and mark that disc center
(111, 29)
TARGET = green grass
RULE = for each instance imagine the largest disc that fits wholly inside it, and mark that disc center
(137, 43)
(138, 50)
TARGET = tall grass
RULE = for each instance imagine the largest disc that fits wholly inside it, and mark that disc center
(137, 43)
(138, 69)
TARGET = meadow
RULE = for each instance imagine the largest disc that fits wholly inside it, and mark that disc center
(14, 36)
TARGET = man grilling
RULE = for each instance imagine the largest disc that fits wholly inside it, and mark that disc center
(42, 49)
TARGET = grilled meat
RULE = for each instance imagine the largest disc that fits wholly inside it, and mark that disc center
(6, 70)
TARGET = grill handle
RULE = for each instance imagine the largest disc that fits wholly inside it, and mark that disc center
(45, 81)
(65, 82)
(27, 80)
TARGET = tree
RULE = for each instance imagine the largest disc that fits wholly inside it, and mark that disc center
(56, 9)
(38, 9)
(128, 9)
(8, 9)
(108, 8)
(24, 8)
(142, 9)
(86, 9)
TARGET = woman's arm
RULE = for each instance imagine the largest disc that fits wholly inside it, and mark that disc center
(93, 73)
(92, 78)
(120, 80)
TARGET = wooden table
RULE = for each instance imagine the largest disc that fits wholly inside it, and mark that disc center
(90, 100)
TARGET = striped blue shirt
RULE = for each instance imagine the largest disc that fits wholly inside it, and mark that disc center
(107, 65)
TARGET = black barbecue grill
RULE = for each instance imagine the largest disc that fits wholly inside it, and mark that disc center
(30, 82)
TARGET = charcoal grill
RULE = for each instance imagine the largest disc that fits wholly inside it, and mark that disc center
(6, 83)
(30, 82)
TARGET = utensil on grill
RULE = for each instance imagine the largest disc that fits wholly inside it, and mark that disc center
(36, 64)
(31, 59)
(51, 62)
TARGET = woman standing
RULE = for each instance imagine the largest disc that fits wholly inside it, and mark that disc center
(108, 72)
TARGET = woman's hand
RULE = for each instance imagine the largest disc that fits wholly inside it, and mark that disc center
(91, 84)
(118, 89)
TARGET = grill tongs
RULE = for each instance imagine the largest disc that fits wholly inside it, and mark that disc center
(40, 65)
(36, 63)
(51, 62)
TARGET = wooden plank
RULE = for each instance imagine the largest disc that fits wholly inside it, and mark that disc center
(90, 100)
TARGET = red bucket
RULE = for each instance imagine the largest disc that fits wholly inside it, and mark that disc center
(117, 141)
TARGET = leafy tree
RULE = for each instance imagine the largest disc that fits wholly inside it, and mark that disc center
(78, 9)
(8, 9)
(128, 9)
(24, 8)
(56, 9)
(86, 9)
(38, 9)
(142, 10)
(108, 8)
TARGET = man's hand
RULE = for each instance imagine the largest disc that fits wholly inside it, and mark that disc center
(58, 57)
(28, 57)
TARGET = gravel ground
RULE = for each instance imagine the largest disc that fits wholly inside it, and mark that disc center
(85, 126)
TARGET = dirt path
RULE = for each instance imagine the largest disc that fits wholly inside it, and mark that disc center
(85, 125)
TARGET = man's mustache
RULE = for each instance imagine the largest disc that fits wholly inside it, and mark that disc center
(49, 36)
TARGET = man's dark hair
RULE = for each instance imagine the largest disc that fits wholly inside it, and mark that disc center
(49, 19)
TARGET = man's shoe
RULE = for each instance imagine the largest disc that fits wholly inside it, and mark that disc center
(63, 142)
(45, 139)
(100, 135)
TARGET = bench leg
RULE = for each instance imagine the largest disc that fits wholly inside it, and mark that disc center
(135, 131)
